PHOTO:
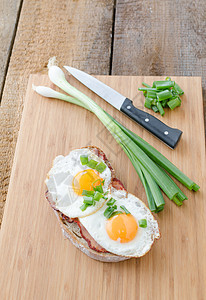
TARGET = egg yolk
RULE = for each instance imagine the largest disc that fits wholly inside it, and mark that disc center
(84, 180)
(122, 228)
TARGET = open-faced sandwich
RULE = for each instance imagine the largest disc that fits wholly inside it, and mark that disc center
(95, 211)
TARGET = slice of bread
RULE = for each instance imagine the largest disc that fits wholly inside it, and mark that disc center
(71, 230)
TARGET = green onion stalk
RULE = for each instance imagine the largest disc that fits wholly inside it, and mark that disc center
(147, 161)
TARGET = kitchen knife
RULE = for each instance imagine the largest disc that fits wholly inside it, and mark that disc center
(170, 136)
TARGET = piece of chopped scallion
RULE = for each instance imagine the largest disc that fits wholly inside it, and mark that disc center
(100, 167)
(111, 201)
(125, 210)
(142, 223)
(84, 159)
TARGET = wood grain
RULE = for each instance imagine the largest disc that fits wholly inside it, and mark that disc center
(160, 38)
(37, 263)
(9, 11)
(77, 32)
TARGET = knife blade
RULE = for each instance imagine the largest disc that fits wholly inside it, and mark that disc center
(170, 136)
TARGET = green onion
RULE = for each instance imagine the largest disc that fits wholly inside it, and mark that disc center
(160, 108)
(97, 196)
(111, 201)
(100, 167)
(151, 94)
(84, 207)
(125, 210)
(164, 95)
(178, 89)
(108, 211)
(87, 193)
(147, 89)
(154, 107)
(99, 189)
(84, 159)
(88, 200)
(117, 212)
(160, 159)
(142, 223)
(162, 85)
(173, 103)
(145, 84)
(148, 102)
(92, 164)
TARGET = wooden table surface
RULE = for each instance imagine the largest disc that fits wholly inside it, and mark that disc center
(121, 37)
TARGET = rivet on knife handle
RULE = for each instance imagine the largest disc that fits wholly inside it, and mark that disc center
(168, 135)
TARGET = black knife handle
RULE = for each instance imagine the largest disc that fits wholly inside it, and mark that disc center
(168, 135)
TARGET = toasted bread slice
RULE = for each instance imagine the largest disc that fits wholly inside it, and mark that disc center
(72, 230)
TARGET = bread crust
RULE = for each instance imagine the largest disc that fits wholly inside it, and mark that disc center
(71, 230)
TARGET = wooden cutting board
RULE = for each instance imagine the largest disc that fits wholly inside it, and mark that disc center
(38, 263)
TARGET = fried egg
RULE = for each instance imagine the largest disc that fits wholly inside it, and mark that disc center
(68, 178)
(121, 234)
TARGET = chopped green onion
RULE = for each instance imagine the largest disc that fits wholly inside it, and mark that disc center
(98, 180)
(145, 84)
(162, 85)
(142, 223)
(154, 108)
(117, 212)
(100, 167)
(160, 108)
(178, 89)
(173, 103)
(98, 188)
(88, 200)
(84, 159)
(108, 211)
(164, 95)
(87, 193)
(111, 201)
(84, 207)
(164, 103)
(125, 210)
(97, 196)
(147, 89)
(148, 102)
(151, 94)
(92, 164)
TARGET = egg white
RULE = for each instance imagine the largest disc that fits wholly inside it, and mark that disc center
(59, 183)
(141, 244)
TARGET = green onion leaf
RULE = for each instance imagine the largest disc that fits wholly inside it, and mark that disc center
(117, 212)
(154, 108)
(145, 84)
(163, 84)
(87, 193)
(178, 89)
(100, 167)
(164, 95)
(88, 200)
(111, 201)
(160, 108)
(97, 196)
(98, 188)
(108, 211)
(125, 210)
(84, 207)
(173, 103)
(142, 223)
(92, 164)
(152, 94)
(84, 159)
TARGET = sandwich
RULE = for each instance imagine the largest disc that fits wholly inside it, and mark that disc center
(95, 211)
